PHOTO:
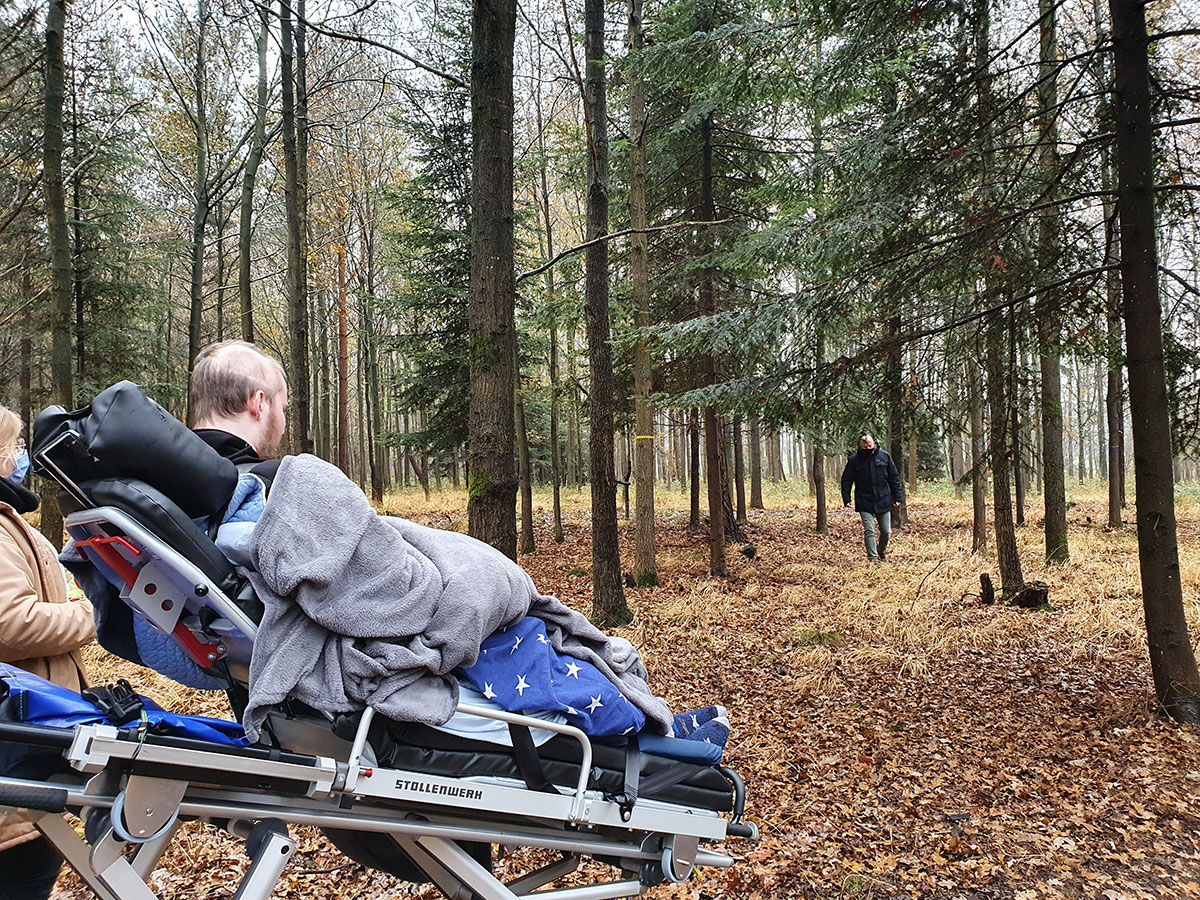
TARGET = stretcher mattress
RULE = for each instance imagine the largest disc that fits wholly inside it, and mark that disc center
(408, 745)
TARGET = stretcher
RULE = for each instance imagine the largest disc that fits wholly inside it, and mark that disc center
(421, 804)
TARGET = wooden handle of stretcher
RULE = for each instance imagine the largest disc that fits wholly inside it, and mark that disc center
(33, 796)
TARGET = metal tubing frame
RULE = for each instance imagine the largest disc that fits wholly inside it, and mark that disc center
(214, 598)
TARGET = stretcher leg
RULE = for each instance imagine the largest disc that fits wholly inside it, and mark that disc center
(529, 883)
(447, 882)
(269, 846)
(146, 858)
(76, 852)
(465, 869)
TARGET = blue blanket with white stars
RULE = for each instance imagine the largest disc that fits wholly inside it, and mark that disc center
(520, 670)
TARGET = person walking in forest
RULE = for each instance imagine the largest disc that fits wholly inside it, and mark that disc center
(877, 493)
(41, 631)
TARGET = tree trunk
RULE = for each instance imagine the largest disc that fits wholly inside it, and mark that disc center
(61, 377)
(1172, 659)
(343, 368)
(295, 252)
(492, 485)
(608, 597)
(524, 477)
(739, 470)
(249, 175)
(818, 478)
(1011, 577)
(369, 340)
(979, 529)
(1048, 317)
(300, 399)
(714, 443)
(645, 566)
(1018, 444)
(200, 201)
(895, 404)
(756, 497)
(555, 453)
(694, 468)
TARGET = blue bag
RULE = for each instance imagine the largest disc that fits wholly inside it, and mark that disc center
(27, 699)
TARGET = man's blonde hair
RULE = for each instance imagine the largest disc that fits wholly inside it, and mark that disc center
(227, 374)
(10, 429)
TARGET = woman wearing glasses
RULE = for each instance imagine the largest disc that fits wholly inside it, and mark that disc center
(41, 631)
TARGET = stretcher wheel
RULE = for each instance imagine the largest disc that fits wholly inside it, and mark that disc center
(668, 867)
(118, 824)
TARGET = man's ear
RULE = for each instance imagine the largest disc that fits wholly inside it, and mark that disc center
(254, 405)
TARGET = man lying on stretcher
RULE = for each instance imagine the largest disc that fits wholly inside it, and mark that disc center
(361, 609)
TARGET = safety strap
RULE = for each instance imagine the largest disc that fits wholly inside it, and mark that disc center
(668, 777)
(528, 761)
(633, 773)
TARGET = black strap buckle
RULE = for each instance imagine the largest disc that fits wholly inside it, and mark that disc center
(119, 702)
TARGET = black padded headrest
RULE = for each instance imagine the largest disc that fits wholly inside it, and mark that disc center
(125, 434)
(165, 520)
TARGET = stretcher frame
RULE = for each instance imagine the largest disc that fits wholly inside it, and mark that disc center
(134, 791)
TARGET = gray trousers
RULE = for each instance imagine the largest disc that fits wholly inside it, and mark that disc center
(885, 531)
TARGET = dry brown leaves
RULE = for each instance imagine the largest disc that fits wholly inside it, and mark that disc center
(897, 738)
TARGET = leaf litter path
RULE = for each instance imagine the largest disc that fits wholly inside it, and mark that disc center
(897, 737)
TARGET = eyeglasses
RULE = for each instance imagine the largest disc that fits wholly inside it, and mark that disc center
(17, 450)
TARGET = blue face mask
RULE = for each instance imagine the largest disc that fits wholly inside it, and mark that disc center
(22, 463)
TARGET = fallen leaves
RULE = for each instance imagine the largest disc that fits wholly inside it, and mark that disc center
(896, 740)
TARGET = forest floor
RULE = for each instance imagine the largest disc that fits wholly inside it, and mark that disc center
(897, 737)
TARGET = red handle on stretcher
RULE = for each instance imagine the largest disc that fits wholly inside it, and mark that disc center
(102, 546)
(202, 654)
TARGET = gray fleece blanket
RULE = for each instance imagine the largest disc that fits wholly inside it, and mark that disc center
(367, 610)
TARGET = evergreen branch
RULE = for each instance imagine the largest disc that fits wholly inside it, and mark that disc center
(571, 251)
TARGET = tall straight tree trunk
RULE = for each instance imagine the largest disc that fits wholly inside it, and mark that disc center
(1172, 660)
(739, 470)
(818, 453)
(254, 157)
(62, 388)
(524, 476)
(1054, 494)
(818, 479)
(979, 529)
(756, 497)
(343, 367)
(645, 566)
(297, 349)
(1011, 577)
(1101, 422)
(200, 201)
(895, 405)
(25, 376)
(714, 443)
(1080, 425)
(548, 223)
(1018, 444)
(379, 451)
(300, 399)
(608, 594)
(1114, 406)
(694, 468)
(492, 483)
(326, 406)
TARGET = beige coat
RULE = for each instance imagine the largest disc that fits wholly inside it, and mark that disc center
(41, 630)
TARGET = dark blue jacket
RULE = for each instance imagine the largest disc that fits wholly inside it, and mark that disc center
(875, 479)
